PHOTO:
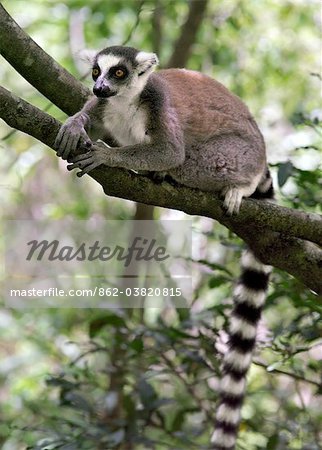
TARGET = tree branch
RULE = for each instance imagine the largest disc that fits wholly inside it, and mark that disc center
(23, 116)
(40, 69)
(156, 36)
(295, 376)
(284, 250)
(187, 38)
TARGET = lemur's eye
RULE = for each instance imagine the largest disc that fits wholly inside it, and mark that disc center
(119, 73)
(95, 72)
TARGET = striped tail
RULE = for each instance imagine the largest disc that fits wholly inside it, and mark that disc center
(249, 298)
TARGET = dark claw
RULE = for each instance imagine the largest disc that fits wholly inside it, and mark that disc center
(85, 146)
(71, 167)
(76, 166)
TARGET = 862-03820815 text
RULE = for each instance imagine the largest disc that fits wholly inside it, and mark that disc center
(98, 292)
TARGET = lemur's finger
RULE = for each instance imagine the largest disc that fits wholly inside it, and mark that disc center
(82, 157)
(70, 146)
(88, 169)
(63, 142)
(57, 140)
(72, 166)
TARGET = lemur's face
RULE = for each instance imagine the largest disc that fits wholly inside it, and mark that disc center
(121, 71)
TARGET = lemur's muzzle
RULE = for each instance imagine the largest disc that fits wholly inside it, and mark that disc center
(102, 89)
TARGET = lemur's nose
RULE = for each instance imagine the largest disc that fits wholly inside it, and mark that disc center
(102, 89)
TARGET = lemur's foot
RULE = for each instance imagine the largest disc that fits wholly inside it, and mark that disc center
(233, 199)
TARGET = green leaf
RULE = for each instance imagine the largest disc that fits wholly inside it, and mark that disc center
(273, 442)
(77, 401)
(137, 345)
(285, 170)
(217, 281)
(147, 393)
(178, 420)
(162, 402)
(117, 437)
(103, 320)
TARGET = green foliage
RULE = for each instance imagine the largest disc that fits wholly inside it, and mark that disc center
(61, 368)
(168, 375)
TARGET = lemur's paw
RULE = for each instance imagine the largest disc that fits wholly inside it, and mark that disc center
(69, 138)
(86, 162)
(232, 201)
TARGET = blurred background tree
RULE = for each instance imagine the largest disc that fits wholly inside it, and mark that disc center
(57, 364)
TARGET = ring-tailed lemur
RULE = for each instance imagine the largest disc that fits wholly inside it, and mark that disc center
(190, 127)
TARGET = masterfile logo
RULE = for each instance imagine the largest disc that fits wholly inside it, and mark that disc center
(140, 249)
(97, 263)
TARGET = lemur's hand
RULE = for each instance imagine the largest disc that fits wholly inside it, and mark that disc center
(70, 137)
(99, 155)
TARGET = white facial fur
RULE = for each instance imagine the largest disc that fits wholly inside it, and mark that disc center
(146, 64)
(105, 62)
(122, 114)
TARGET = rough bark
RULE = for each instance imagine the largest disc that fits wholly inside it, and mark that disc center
(40, 69)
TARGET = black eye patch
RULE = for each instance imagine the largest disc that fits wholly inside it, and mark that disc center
(118, 72)
(95, 72)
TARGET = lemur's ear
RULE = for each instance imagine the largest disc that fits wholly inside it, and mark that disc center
(146, 62)
(88, 55)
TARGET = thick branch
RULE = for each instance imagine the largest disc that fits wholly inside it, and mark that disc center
(23, 116)
(300, 258)
(40, 69)
(291, 222)
(156, 36)
(187, 38)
